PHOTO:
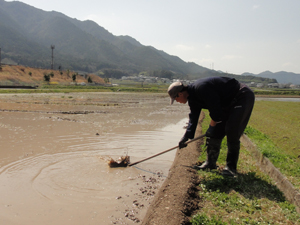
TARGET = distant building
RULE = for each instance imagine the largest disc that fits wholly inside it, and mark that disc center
(273, 85)
(260, 85)
(293, 86)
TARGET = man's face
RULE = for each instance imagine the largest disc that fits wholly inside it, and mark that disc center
(181, 97)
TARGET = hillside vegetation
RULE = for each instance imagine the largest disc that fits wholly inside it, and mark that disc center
(21, 75)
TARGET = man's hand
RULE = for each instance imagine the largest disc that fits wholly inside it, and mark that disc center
(210, 131)
(182, 143)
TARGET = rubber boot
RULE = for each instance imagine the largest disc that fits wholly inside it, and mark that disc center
(232, 159)
(212, 152)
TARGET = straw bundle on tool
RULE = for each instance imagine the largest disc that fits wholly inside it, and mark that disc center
(123, 161)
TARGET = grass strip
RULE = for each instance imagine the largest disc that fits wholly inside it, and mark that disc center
(283, 161)
(251, 198)
(281, 92)
(280, 121)
(79, 88)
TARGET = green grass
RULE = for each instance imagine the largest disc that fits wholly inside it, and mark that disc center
(280, 121)
(79, 88)
(283, 92)
(132, 86)
(286, 163)
(252, 197)
(274, 128)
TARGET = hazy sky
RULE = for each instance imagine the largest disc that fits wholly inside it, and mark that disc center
(234, 36)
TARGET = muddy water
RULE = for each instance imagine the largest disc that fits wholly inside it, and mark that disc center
(54, 152)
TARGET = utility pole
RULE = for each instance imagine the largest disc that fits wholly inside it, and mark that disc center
(52, 47)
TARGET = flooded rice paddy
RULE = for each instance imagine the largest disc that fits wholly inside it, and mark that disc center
(55, 148)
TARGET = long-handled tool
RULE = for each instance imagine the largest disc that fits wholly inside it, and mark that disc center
(197, 138)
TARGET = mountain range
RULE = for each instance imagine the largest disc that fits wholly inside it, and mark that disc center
(281, 77)
(27, 34)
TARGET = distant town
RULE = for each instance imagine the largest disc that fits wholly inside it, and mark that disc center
(148, 79)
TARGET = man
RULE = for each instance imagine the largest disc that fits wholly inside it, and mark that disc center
(229, 103)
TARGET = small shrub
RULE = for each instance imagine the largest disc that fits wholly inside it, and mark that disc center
(204, 219)
(74, 77)
(106, 80)
(47, 77)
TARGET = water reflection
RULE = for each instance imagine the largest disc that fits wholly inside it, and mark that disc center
(278, 99)
(79, 176)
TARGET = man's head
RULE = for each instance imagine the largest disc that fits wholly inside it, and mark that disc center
(177, 92)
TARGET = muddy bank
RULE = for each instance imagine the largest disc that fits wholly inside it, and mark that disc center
(178, 196)
(54, 152)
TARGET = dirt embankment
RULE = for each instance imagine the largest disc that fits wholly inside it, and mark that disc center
(178, 196)
(22, 75)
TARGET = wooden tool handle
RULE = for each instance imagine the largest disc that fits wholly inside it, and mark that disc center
(197, 138)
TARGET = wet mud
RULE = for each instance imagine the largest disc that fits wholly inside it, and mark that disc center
(54, 151)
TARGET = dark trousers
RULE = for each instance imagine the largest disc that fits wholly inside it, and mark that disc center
(236, 116)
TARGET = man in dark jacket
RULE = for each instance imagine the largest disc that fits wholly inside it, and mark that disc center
(229, 103)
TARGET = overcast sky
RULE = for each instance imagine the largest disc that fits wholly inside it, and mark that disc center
(233, 36)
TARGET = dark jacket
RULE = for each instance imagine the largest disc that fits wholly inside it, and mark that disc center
(215, 94)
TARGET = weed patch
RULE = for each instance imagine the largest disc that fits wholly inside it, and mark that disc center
(250, 198)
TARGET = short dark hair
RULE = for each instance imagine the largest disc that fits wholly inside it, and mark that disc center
(185, 88)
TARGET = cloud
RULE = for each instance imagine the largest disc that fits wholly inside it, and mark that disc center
(298, 41)
(255, 7)
(287, 64)
(203, 61)
(207, 46)
(231, 57)
(184, 47)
